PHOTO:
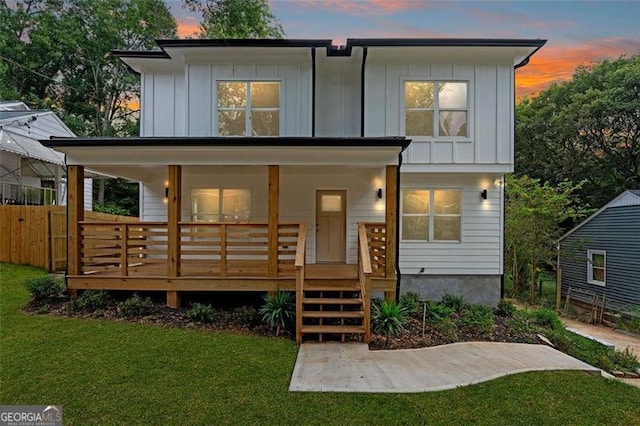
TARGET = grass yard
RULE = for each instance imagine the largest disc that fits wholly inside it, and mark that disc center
(112, 372)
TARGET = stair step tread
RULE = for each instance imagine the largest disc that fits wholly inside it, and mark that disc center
(331, 287)
(332, 301)
(332, 329)
(333, 314)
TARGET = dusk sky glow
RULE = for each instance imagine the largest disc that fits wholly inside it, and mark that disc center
(578, 32)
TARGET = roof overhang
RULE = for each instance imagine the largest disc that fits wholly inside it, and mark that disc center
(121, 155)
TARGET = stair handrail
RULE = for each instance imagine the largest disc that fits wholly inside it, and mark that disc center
(299, 264)
(364, 276)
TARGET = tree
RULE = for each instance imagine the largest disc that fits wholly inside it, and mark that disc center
(236, 19)
(585, 129)
(533, 216)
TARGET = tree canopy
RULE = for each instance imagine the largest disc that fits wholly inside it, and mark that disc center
(586, 129)
(236, 19)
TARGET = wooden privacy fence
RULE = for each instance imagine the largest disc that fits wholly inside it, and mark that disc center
(37, 235)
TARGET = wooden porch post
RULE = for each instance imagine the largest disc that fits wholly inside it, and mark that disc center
(274, 201)
(75, 215)
(391, 216)
(174, 204)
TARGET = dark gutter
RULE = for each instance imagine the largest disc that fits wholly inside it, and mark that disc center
(398, 273)
(525, 61)
(362, 91)
(243, 42)
(445, 42)
(313, 91)
(285, 141)
(161, 54)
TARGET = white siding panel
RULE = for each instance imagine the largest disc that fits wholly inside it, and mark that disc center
(330, 101)
(485, 113)
(88, 194)
(504, 114)
(395, 76)
(442, 152)
(199, 99)
(163, 110)
(375, 106)
(154, 208)
(146, 119)
(179, 106)
(479, 252)
(289, 111)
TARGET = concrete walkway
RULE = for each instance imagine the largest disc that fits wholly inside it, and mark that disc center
(352, 367)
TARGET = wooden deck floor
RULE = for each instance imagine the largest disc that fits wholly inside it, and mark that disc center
(331, 271)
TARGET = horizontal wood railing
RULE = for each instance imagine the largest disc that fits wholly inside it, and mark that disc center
(299, 266)
(377, 241)
(364, 276)
(206, 249)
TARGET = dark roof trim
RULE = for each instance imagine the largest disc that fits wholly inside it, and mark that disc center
(333, 50)
(397, 141)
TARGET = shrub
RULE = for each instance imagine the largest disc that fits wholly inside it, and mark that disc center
(45, 287)
(136, 306)
(437, 312)
(412, 302)
(454, 302)
(447, 329)
(625, 359)
(278, 310)
(201, 313)
(244, 316)
(506, 308)
(476, 318)
(388, 318)
(90, 300)
(547, 318)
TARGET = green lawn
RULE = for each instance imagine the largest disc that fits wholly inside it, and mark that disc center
(110, 372)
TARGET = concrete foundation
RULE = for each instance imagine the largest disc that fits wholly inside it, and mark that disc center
(481, 289)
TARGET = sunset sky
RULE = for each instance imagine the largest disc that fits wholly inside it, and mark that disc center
(579, 32)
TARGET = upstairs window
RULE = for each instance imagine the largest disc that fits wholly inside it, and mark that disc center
(431, 214)
(215, 205)
(436, 109)
(248, 108)
(596, 267)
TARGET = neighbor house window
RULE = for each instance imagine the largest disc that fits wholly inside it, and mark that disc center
(436, 109)
(431, 214)
(596, 267)
(248, 108)
(220, 205)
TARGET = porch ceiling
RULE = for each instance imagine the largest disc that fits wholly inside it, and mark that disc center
(118, 156)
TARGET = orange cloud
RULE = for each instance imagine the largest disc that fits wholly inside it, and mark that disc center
(366, 7)
(557, 63)
(188, 28)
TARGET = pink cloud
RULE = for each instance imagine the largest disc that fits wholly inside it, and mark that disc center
(366, 7)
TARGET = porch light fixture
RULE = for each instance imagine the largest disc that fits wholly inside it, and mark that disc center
(483, 194)
(379, 193)
(166, 192)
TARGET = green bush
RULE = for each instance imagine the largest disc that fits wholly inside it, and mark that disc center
(90, 300)
(201, 313)
(45, 287)
(245, 316)
(136, 306)
(412, 302)
(476, 318)
(388, 318)
(447, 329)
(547, 318)
(454, 302)
(278, 310)
(625, 359)
(506, 308)
(436, 312)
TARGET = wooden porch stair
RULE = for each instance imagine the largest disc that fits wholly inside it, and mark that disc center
(332, 309)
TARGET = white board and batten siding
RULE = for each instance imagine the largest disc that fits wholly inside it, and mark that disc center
(480, 250)
(489, 145)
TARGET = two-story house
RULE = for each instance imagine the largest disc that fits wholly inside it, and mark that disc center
(336, 172)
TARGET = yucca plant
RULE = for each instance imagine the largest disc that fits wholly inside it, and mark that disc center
(278, 310)
(388, 318)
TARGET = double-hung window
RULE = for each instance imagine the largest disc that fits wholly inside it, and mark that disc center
(431, 215)
(220, 205)
(248, 108)
(436, 109)
(597, 267)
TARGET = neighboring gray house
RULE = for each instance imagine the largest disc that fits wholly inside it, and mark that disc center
(602, 254)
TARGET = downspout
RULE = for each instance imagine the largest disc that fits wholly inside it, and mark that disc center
(398, 273)
(313, 91)
(364, 63)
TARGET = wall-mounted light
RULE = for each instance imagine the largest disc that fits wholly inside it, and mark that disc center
(166, 192)
(483, 194)
(379, 193)
(497, 182)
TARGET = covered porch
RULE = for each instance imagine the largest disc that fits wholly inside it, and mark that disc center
(180, 255)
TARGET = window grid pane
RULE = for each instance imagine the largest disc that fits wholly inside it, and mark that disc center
(248, 108)
(441, 114)
(443, 222)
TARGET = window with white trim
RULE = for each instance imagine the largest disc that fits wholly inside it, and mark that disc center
(597, 267)
(248, 108)
(215, 205)
(436, 109)
(431, 215)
